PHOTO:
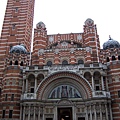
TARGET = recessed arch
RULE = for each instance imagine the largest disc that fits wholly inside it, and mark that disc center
(60, 78)
(64, 62)
(113, 58)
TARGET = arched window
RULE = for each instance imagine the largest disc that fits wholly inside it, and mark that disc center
(64, 62)
(49, 63)
(113, 58)
(119, 57)
(107, 59)
(80, 62)
(16, 62)
(21, 64)
(88, 76)
(10, 62)
(40, 77)
(31, 79)
(97, 78)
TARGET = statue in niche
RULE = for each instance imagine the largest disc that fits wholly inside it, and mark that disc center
(64, 93)
(53, 94)
(58, 92)
(70, 92)
(76, 95)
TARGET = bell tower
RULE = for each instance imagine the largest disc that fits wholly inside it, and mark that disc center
(15, 48)
(91, 39)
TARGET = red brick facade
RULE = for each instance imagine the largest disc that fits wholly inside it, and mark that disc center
(65, 74)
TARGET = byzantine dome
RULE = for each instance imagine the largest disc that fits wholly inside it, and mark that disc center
(18, 49)
(40, 25)
(111, 44)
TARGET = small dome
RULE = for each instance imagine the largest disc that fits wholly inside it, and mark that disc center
(40, 25)
(111, 44)
(18, 49)
(89, 22)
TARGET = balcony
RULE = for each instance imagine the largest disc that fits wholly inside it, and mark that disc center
(100, 94)
(28, 96)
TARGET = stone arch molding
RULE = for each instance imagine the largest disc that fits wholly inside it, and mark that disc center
(64, 78)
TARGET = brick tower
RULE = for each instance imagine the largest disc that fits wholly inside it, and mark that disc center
(15, 47)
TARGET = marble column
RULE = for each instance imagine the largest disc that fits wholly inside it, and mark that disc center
(106, 111)
(90, 113)
(20, 112)
(29, 113)
(100, 112)
(23, 87)
(35, 84)
(102, 82)
(34, 113)
(111, 118)
(86, 117)
(93, 83)
(23, 112)
(95, 112)
(26, 85)
(39, 114)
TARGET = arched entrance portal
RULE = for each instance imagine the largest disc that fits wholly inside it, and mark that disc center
(65, 113)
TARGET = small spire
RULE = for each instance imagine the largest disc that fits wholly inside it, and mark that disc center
(110, 37)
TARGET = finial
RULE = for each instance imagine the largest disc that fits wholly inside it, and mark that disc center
(109, 37)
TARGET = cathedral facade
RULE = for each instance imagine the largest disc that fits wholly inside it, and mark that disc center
(65, 77)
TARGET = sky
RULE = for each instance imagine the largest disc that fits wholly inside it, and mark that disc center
(66, 16)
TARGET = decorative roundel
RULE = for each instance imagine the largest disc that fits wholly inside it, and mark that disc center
(40, 25)
(18, 49)
(79, 37)
(51, 39)
(111, 44)
(89, 22)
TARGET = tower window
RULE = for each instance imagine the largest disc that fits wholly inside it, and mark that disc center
(6, 97)
(113, 58)
(16, 9)
(119, 57)
(107, 59)
(119, 93)
(0, 91)
(64, 62)
(49, 63)
(13, 26)
(3, 114)
(21, 64)
(16, 62)
(10, 62)
(10, 113)
(12, 97)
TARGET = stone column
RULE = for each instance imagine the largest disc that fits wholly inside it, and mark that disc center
(100, 112)
(111, 118)
(23, 87)
(74, 115)
(95, 112)
(39, 114)
(93, 83)
(106, 110)
(23, 112)
(26, 85)
(102, 82)
(90, 113)
(29, 113)
(55, 113)
(35, 83)
(86, 117)
(34, 113)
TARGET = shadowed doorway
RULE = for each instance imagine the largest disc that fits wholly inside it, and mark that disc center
(65, 113)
